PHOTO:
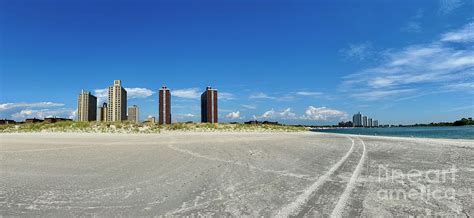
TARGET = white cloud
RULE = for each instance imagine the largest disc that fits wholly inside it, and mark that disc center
(323, 114)
(225, 96)
(448, 6)
(261, 95)
(22, 110)
(302, 93)
(284, 115)
(421, 68)
(465, 34)
(358, 51)
(269, 114)
(380, 94)
(250, 107)
(8, 106)
(191, 93)
(287, 114)
(102, 94)
(233, 115)
(44, 113)
(138, 93)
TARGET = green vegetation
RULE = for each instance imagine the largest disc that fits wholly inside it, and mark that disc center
(129, 127)
(461, 122)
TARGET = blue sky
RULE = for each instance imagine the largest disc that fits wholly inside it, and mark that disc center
(312, 62)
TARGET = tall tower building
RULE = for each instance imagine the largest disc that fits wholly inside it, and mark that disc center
(369, 122)
(117, 106)
(86, 107)
(134, 114)
(376, 123)
(357, 120)
(103, 113)
(364, 121)
(164, 106)
(209, 106)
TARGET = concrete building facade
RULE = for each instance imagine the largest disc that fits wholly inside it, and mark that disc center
(164, 106)
(376, 123)
(133, 114)
(364, 121)
(209, 106)
(86, 107)
(117, 103)
(369, 122)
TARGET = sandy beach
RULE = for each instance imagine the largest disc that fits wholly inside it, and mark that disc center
(234, 174)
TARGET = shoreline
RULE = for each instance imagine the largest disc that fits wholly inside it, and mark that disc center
(219, 132)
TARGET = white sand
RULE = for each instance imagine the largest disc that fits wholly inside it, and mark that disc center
(237, 174)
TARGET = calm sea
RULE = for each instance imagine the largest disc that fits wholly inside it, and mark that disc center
(448, 132)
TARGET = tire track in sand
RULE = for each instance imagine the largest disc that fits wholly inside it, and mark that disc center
(341, 204)
(301, 200)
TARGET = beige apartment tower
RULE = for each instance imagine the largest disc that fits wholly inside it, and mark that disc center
(117, 105)
(133, 114)
(86, 107)
(103, 113)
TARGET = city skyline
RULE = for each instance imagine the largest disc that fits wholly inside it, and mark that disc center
(291, 62)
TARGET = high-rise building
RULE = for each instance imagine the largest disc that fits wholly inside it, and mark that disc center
(369, 122)
(86, 107)
(164, 105)
(357, 120)
(209, 106)
(117, 105)
(134, 114)
(376, 123)
(103, 113)
(364, 121)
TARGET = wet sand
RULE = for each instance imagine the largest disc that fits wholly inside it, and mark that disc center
(234, 174)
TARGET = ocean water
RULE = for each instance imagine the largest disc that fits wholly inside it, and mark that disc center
(448, 132)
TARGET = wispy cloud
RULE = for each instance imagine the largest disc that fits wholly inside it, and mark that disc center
(419, 68)
(358, 52)
(313, 94)
(412, 27)
(226, 96)
(414, 24)
(190, 93)
(250, 107)
(139, 93)
(448, 6)
(8, 106)
(261, 95)
(463, 35)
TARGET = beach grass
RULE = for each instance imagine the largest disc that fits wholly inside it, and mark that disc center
(130, 127)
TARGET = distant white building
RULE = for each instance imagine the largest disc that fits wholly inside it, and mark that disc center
(369, 122)
(357, 119)
(376, 123)
(364, 121)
